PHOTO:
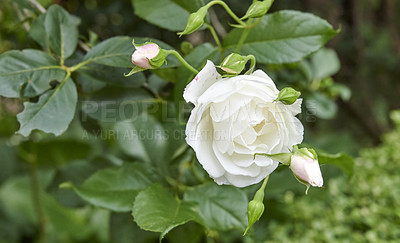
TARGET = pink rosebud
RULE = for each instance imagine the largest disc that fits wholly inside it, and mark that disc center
(143, 54)
(305, 167)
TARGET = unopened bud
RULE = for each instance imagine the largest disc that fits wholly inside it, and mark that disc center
(233, 64)
(305, 167)
(148, 56)
(255, 209)
(288, 96)
(195, 21)
(258, 9)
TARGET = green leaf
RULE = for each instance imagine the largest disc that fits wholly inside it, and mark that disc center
(168, 14)
(38, 32)
(325, 63)
(61, 30)
(116, 188)
(321, 106)
(56, 152)
(219, 207)
(27, 73)
(283, 37)
(52, 113)
(143, 136)
(158, 211)
(124, 230)
(117, 52)
(113, 104)
(342, 160)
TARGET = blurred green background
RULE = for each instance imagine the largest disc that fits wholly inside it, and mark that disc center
(353, 117)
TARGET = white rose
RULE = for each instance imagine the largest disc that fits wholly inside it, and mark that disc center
(233, 119)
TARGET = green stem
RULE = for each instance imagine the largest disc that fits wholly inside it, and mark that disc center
(259, 196)
(243, 37)
(214, 35)
(36, 201)
(228, 10)
(252, 65)
(180, 59)
(79, 65)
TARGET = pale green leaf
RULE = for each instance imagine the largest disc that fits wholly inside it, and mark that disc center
(325, 63)
(52, 113)
(321, 106)
(61, 30)
(27, 73)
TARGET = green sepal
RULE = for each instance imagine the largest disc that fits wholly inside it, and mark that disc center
(158, 60)
(283, 158)
(134, 70)
(233, 64)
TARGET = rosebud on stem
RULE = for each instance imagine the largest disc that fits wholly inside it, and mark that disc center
(258, 9)
(305, 167)
(181, 59)
(288, 96)
(146, 56)
(196, 19)
(255, 208)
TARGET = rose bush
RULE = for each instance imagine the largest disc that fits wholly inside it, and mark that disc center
(233, 119)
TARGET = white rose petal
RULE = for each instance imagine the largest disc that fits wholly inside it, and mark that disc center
(233, 119)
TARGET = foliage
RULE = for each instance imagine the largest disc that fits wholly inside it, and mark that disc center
(99, 157)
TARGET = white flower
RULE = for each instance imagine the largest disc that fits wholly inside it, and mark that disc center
(233, 119)
(306, 168)
(143, 54)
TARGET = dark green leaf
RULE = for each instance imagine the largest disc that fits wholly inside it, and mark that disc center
(219, 207)
(116, 188)
(158, 211)
(56, 152)
(16, 197)
(27, 73)
(283, 37)
(52, 113)
(124, 230)
(167, 14)
(61, 31)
